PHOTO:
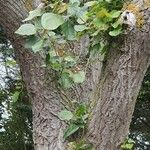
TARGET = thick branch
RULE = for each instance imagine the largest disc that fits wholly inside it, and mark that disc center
(118, 89)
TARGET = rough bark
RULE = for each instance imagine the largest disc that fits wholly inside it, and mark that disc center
(118, 89)
(117, 92)
(47, 128)
(112, 91)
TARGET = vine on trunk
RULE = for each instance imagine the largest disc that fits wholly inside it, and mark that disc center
(54, 25)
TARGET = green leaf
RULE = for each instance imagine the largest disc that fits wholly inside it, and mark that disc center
(81, 111)
(78, 77)
(37, 24)
(69, 62)
(80, 28)
(56, 66)
(103, 47)
(74, 1)
(30, 41)
(52, 34)
(32, 14)
(85, 117)
(103, 13)
(82, 18)
(130, 140)
(68, 30)
(38, 46)
(65, 80)
(91, 3)
(65, 115)
(128, 146)
(70, 130)
(51, 21)
(11, 63)
(108, 1)
(101, 25)
(73, 8)
(116, 24)
(115, 32)
(15, 96)
(26, 29)
(52, 53)
(69, 59)
(115, 13)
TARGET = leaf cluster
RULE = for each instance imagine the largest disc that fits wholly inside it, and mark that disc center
(77, 119)
(80, 145)
(128, 144)
(59, 22)
(51, 28)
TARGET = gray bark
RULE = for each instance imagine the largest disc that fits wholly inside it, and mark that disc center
(118, 89)
(47, 128)
(112, 90)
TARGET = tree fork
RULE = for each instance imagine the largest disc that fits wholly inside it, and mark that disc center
(117, 86)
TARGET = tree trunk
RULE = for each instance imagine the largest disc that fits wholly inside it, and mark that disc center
(118, 89)
(112, 89)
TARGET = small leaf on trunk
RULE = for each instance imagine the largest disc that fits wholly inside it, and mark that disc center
(65, 115)
(71, 130)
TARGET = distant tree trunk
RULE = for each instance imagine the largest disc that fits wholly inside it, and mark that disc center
(111, 86)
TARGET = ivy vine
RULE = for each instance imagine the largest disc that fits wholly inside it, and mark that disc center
(57, 23)
(54, 24)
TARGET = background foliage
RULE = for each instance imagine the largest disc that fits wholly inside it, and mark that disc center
(15, 110)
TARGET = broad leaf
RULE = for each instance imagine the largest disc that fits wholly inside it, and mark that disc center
(65, 115)
(81, 111)
(80, 28)
(71, 129)
(65, 80)
(82, 18)
(15, 96)
(116, 24)
(108, 1)
(91, 3)
(37, 24)
(128, 146)
(73, 9)
(74, 1)
(32, 14)
(11, 63)
(62, 8)
(26, 29)
(115, 13)
(51, 21)
(115, 32)
(30, 41)
(56, 66)
(100, 24)
(38, 46)
(79, 77)
(103, 13)
(68, 30)
(52, 34)
(69, 59)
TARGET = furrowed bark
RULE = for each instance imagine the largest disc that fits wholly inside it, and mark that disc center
(118, 89)
(117, 93)
(113, 92)
(47, 128)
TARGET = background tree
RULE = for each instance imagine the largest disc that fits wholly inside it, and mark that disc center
(113, 89)
(139, 129)
(15, 108)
